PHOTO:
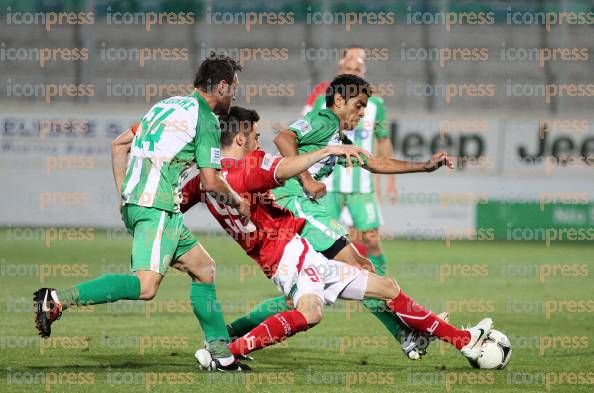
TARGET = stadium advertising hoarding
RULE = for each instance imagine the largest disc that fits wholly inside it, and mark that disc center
(501, 177)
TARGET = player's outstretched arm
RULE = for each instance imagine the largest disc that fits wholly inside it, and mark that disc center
(385, 165)
(384, 149)
(120, 147)
(213, 182)
(293, 166)
(286, 142)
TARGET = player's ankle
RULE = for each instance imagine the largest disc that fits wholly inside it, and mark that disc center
(219, 349)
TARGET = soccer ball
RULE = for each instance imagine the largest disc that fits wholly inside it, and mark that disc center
(496, 352)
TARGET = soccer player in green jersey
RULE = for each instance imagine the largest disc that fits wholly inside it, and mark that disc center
(346, 99)
(175, 134)
(354, 190)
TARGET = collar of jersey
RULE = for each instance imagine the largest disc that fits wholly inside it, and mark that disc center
(330, 113)
(201, 100)
(224, 158)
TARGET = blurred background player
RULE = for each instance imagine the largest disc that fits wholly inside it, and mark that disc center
(320, 88)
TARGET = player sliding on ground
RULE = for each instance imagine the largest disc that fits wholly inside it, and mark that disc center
(176, 133)
(272, 237)
(346, 99)
(352, 190)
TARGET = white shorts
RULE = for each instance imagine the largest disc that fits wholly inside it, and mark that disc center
(302, 271)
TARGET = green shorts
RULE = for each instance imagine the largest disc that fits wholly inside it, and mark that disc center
(159, 237)
(363, 208)
(320, 229)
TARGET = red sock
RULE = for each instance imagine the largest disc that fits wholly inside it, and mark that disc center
(274, 329)
(424, 320)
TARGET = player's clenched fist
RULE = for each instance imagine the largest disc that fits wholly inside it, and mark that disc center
(438, 160)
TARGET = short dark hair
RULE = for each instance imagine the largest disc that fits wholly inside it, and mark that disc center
(232, 122)
(214, 69)
(348, 86)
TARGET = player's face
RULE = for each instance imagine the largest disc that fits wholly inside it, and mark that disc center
(356, 52)
(253, 139)
(226, 96)
(353, 66)
(354, 110)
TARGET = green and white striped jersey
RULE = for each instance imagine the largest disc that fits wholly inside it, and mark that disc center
(371, 126)
(175, 134)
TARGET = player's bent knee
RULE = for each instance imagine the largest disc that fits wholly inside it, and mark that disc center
(313, 318)
(311, 306)
(204, 273)
(199, 270)
(383, 288)
(148, 292)
(208, 271)
(149, 284)
(392, 287)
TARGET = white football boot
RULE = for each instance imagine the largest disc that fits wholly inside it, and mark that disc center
(207, 362)
(478, 334)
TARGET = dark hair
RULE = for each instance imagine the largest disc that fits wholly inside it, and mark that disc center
(348, 86)
(232, 122)
(214, 69)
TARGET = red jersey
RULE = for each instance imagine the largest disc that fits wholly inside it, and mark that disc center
(270, 227)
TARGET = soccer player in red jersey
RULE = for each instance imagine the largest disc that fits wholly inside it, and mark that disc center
(271, 238)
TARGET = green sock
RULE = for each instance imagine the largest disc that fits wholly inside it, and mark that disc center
(258, 314)
(379, 309)
(207, 309)
(105, 289)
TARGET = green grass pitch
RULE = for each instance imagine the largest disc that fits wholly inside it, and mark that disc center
(542, 298)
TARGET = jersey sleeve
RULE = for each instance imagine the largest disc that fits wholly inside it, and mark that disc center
(259, 171)
(380, 129)
(313, 130)
(192, 194)
(208, 143)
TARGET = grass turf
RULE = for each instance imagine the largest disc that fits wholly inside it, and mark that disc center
(139, 347)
